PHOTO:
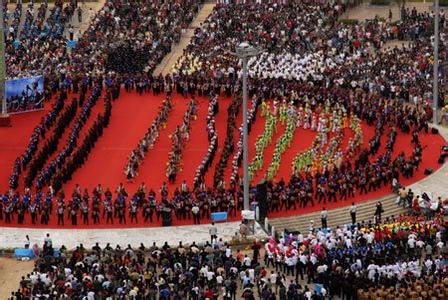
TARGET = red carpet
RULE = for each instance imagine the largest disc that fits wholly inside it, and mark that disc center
(132, 115)
(14, 140)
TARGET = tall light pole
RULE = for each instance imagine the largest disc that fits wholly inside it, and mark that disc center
(2, 60)
(244, 51)
(4, 117)
(435, 85)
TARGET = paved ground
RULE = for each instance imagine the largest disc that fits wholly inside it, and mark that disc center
(366, 11)
(13, 237)
(11, 272)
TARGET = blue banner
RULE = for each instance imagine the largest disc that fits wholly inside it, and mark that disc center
(71, 44)
(24, 94)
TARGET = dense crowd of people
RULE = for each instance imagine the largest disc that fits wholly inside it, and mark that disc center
(344, 81)
(395, 259)
(78, 70)
(79, 154)
(362, 259)
(147, 29)
(36, 47)
(319, 73)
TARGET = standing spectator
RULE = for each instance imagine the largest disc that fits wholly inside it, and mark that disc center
(27, 242)
(323, 217)
(79, 14)
(213, 231)
(353, 213)
(196, 214)
(378, 211)
(47, 241)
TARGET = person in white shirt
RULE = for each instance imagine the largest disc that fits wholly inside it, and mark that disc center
(247, 261)
(228, 251)
(210, 275)
(219, 280)
(47, 241)
(213, 231)
(273, 277)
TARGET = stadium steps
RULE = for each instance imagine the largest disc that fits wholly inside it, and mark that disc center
(89, 10)
(171, 58)
(339, 216)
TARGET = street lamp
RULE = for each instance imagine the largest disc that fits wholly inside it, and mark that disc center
(4, 117)
(243, 52)
(435, 85)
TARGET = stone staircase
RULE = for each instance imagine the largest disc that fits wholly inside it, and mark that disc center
(339, 216)
(170, 59)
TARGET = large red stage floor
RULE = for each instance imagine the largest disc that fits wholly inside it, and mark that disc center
(132, 114)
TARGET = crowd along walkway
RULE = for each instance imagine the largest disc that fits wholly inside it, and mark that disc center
(177, 50)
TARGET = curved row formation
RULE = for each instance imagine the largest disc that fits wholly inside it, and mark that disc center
(38, 134)
(53, 166)
(180, 136)
(147, 142)
(212, 136)
(232, 113)
(238, 157)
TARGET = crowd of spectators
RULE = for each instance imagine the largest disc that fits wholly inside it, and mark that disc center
(312, 60)
(36, 47)
(361, 259)
(126, 37)
(399, 258)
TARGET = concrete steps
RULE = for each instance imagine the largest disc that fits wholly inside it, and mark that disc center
(170, 59)
(339, 216)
